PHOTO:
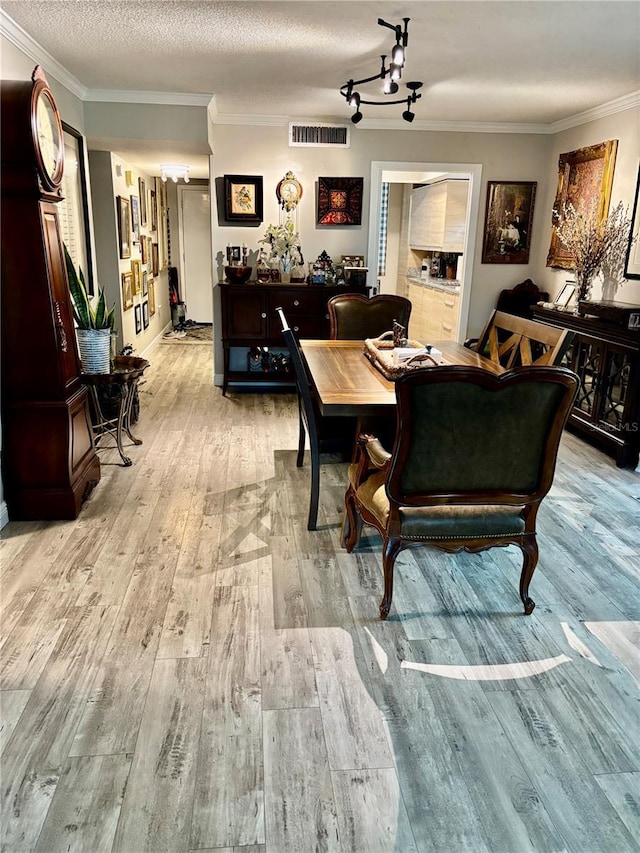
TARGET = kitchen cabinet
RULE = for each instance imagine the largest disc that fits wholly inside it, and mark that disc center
(439, 216)
(434, 313)
(249, 320)
(606, 357)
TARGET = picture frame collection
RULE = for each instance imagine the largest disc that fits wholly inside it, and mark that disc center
(143, 240)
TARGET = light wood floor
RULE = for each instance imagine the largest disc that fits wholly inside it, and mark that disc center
(185, 667)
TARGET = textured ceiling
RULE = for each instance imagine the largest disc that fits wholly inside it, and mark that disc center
(519, 61)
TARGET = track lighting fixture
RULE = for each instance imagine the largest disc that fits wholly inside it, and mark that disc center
(175, 172)
(389, 75)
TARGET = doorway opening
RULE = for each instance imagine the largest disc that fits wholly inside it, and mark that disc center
(383, 172)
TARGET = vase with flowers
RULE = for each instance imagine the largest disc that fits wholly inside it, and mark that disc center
(595, 245)
(283, 243)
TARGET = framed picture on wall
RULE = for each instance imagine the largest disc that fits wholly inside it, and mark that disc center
(138, 317)
(507, 222)
(124, 227)
(152, 296)
(243, 198)
(154, 210)
(585, 178)
(632, 261)
(142, 193)
(145, 283)
(137, 278)
(127, 291)
(340, 201)
(74, 205)
(145, 314)
(135, 218)
(155, 266)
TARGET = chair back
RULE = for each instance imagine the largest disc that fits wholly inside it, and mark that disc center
(513, 341)
(467, 436)
(354, 317)
(305, 399)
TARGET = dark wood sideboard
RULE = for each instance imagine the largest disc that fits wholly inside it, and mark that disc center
(606, 357)
(249, 320)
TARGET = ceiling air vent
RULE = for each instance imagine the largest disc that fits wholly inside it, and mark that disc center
(319, 135)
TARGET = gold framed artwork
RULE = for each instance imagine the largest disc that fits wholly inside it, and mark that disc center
(151, 285)
(127, 290)
(585, 177)
(137, 276)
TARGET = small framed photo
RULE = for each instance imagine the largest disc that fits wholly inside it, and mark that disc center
(136, 273)
(142, 193)
(155, 265)
(135, 218)
(507, 222)
(124, 227)
(127, 290)
(317, 274)
(152, 296)
(144, 254)
(145, 283)
(138, 316)
(566, 295)
(145, 314)
(243, 198)
(352, 260)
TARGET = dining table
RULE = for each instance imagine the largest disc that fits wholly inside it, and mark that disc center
(347, 384)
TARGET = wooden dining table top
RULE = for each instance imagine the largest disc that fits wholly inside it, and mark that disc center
(346, 383)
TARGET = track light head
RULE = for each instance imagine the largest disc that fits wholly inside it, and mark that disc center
(407, 115)
(356, 117)
(354, 100)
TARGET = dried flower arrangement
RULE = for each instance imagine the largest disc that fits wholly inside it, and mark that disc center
(596, 247)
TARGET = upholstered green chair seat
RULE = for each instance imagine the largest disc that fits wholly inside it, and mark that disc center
(473, 456)
(439, 522)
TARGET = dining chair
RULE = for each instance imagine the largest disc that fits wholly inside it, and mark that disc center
(512, 341)
(326, 434)
(456, 482)
(353, 317)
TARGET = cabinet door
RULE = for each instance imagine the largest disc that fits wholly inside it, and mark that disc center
(450, 304)
(436, 212)
(244, 314)
(418, 218)
(455, 224)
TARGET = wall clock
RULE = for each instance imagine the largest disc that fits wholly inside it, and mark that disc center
(47, 134)
(289, 191)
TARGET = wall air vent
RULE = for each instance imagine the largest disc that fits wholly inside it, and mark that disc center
(319, 135)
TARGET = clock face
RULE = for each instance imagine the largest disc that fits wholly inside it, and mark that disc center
(49, 138)
(290, 191)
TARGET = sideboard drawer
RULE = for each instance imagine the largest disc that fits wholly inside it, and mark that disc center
(297, 302)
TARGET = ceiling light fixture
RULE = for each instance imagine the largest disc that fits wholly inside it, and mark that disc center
(175, 172)
(389, 76)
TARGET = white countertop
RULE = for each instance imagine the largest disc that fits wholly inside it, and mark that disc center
(443, 284)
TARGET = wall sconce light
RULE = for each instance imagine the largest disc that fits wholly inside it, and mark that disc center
(389, 76)
(175, 172)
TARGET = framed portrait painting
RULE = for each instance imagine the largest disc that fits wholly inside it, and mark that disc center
(507, 222)
(124, 227)
(243, 198)
(152, 296)
(585, 177)
(138, 318)
(136, 276)
(340, 201)
(145, 314)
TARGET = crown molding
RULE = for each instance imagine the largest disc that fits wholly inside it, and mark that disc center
(618, 105)
(22, 40)
(451, 126)
(122, 96)
(254, 120)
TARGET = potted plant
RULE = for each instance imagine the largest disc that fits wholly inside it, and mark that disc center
(284, 243)
(93, 324)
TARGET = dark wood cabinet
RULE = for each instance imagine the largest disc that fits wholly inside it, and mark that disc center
(49, 464)
(249, 320)
(606, 357)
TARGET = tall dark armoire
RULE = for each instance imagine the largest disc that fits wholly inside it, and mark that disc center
(49, 464)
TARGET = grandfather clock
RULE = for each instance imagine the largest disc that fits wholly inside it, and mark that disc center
(49, 464)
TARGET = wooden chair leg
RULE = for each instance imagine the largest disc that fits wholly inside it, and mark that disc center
(352, 523)
(390, 550)
(315, 488)
(530, 561)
